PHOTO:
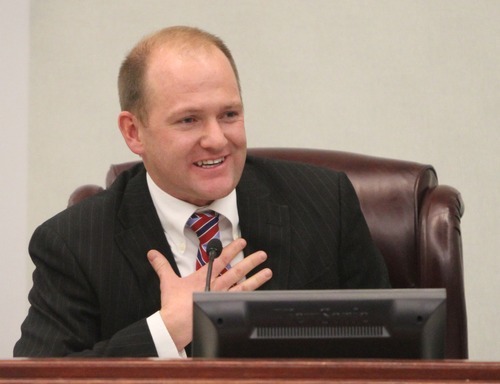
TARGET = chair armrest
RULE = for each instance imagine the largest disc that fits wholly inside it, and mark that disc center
(441, 257)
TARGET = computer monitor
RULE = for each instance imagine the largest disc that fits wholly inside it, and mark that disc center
(381, 323)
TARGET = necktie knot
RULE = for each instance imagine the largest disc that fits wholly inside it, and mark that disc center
(204, 224)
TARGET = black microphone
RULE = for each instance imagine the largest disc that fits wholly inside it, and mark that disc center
(214, 249)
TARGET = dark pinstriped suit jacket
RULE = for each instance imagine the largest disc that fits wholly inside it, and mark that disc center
(93, 286)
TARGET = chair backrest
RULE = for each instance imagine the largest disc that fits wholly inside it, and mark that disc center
(414, 221)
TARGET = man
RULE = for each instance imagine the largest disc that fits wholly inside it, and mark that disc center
(115, 274)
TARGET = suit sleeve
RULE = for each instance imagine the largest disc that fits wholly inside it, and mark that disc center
(361, 264)
(64, 317)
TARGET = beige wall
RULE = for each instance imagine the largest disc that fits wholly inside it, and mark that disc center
(418, 80)
(14, 56)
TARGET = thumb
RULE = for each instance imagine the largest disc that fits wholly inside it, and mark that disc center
(160, 264)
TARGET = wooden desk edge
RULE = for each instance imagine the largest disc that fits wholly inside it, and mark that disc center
(247, 370)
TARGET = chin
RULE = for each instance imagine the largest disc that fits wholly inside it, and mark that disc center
(216, 193)
(219, 195)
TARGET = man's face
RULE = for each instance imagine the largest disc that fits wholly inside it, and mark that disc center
(193, 143)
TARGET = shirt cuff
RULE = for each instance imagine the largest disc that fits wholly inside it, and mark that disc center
(165, 346)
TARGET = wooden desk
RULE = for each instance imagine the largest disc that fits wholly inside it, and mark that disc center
(244, 371)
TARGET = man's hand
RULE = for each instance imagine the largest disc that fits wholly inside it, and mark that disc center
(177, 293)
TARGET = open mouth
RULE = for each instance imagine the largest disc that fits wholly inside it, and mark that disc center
(209, 163)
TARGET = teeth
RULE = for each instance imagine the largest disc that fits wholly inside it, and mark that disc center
(209, 163)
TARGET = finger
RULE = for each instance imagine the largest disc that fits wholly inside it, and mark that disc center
(254, 282)
(160, 264)
(240, 270)
(229, 252)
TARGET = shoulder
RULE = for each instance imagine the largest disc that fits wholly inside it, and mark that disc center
(290, 174)
(103, 204)
(300, 186)
(277, 165)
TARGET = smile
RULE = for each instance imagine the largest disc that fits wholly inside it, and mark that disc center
(210, 163)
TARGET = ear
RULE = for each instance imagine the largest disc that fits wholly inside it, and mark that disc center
(130, 127)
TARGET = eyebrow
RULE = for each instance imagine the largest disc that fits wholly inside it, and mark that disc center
(195, 110)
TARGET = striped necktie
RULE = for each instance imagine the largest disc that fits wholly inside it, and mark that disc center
(206, 226)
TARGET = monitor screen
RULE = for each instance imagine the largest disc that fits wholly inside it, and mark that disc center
(381, 323)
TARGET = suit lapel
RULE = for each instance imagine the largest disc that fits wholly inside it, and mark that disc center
(265, 225)
(141, 231)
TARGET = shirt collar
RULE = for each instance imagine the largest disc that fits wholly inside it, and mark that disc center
(174, 213)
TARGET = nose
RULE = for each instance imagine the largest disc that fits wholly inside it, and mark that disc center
(213, 135)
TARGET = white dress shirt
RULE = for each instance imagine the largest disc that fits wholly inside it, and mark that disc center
(173, 214)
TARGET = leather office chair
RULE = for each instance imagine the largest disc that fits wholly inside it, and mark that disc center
(414, 221)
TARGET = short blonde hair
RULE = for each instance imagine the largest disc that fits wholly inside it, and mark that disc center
(131, 78)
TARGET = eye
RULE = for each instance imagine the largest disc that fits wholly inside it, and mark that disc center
(230, 115)
(187, 120)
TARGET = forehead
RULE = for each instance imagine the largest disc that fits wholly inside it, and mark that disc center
(174, 69)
